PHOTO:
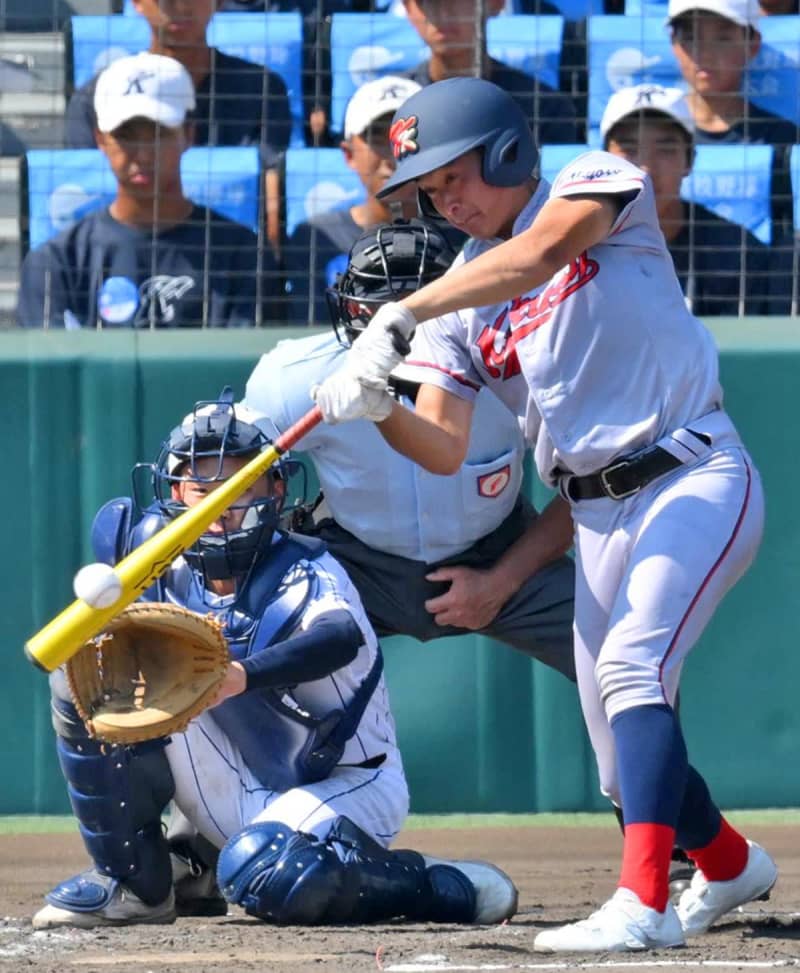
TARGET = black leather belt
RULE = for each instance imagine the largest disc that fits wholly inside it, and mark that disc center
(622, 479)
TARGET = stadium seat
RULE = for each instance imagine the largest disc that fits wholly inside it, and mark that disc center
(625, 51)
(734, 181)
(773, 80)
(62, 185)
(315, 181)
(366, 46)
(795, 169)
(272, 39)
(553, 158)
(646, 8)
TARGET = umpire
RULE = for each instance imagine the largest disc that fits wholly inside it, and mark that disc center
(431, 556)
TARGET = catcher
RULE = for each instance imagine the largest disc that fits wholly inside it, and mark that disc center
(293, 772)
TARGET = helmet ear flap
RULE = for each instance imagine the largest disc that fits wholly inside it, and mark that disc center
(508, 160)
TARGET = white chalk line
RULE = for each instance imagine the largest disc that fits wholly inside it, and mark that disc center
(444, 967)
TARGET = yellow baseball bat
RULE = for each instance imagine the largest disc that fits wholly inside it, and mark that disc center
(67, 632)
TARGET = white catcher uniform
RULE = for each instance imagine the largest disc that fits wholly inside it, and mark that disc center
(602, 361)
(219, 793)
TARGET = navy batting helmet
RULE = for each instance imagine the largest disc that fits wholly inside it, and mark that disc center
(447, 119)
(386, 263)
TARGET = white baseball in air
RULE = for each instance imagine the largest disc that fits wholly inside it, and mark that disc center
(98, 585)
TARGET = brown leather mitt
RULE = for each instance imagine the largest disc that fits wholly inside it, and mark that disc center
(148, 673)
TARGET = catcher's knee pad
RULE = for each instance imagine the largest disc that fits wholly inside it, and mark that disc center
(284, 876)
(118, 795)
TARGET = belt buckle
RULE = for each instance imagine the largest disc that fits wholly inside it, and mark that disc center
(610, 491)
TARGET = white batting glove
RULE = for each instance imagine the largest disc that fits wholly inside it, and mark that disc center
(383, 344)
(342, 397)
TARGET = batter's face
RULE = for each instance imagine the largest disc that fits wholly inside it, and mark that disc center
(461, 196)
(712, 52)
(178, 23)
(191, 492)
(657, 145)
(146, 157)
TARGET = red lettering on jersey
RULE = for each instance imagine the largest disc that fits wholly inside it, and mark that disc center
(497, 342)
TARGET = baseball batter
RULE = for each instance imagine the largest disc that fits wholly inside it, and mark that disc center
(578, 323)
(294, 774)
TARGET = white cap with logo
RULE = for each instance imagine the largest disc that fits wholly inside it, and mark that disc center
(143, 86)
(745, 13)
(647, 97)
(377, 98)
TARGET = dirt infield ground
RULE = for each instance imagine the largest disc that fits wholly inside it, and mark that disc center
(561, 874)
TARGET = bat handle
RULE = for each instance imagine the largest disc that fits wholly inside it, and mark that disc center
(298, 429)
(401, 344)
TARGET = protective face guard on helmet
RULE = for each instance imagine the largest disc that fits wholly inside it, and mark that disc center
(385, 264)
(217, 430)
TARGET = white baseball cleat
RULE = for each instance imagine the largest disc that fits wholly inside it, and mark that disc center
(123, 908)
(496, 895)
(704, 902)
(622, 924)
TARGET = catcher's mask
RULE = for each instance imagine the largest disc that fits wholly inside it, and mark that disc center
(213, 431)
(385, 264)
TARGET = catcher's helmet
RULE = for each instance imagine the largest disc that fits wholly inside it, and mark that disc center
(215, 430)
(449, 118)
(385, 264)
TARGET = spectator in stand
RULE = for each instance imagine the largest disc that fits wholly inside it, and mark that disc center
(458, 48)
(722, 268)
(236, 102)
(317, 249)
(714, 41)
(152, 258)
(316, 54)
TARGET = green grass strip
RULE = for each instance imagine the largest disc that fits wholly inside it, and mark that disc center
(65, 824)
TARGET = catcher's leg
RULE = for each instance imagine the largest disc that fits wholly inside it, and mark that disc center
(117, 795)
(194, 868)
(288, 877)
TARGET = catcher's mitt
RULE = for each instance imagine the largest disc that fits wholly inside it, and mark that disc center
(151, 670)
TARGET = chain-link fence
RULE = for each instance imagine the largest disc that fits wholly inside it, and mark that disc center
(242, 212)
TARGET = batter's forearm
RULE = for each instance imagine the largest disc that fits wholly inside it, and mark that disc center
(434, 447)
(564, 229)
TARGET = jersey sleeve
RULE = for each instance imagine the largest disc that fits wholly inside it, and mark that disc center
(598, 173)
(335, 592)
(439, 357)
(603, 174)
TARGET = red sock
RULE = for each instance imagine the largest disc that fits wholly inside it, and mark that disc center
(646, 854)
(724, 857)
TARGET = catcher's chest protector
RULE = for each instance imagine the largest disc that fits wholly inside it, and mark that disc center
(268, 610)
